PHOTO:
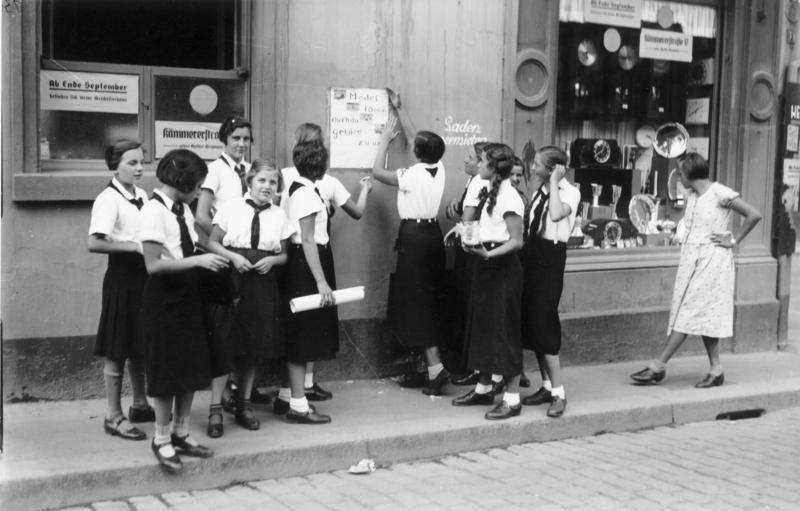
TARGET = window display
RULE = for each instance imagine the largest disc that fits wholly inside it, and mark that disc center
(631, 99)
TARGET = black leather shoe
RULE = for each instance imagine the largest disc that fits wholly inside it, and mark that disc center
(123, 429)
(413, 380)
(467, 379)
(317, 393)
(215, 428)
(648, 376)
(524, 381)
(472, 398)
(279, 406)
(187, 449)
(435, 385)
(498, 387)
(711, 381)
(557, 407)
(141, 414)
(503, 411)
(229, 397)
(256, 396)
(170, 463)
(310, 417)
(245, 418)
(539, 397)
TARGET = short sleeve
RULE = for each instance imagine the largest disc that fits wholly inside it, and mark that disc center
(104, 215)
(151, 225)
(572, 199)
(404, 179)
(304, 202)
(286, 228)
(472, 198)
(725, 195)
(511, 204)
(211, 182)
(340, 193)
(222, 217)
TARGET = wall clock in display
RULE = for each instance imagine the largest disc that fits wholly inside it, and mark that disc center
(587, 52)
(595, 152)
(627, 57)
(645, 136)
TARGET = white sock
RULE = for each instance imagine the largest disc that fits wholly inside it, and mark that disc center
(715, 370)
(547, 384)
(497, 378)
(309, 380)
(180, 426)
(434, 370)
(162, 435)
(657, 365)
(511, 398)
(480, 388)
(299, 404)
(285, 394)
(559, 392)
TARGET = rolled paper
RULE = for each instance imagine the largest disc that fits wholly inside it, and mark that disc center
(311, 302)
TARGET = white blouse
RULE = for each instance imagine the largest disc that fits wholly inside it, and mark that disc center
(330, 188)
(223, 181)
(159, 224)
(303, 202)
(493, 226)
(113, 215)
(236, 216)
(419, 194)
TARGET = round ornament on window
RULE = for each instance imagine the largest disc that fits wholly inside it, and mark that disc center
(628, 57)
(203, 99)
(611, 40)
(587, 52)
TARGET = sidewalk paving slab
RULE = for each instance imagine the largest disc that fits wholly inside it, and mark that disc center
(56, 455)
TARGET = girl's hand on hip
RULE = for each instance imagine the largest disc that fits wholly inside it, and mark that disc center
(722, 239)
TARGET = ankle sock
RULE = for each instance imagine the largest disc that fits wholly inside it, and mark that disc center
(180, 425)
(497, 378)
(511, 398)
(215, 408)
(299, 404)
(309, 380)
(548, 385)
(162, 434)
(285, 394)
(481, 388)
(559, 392)
(434, 370)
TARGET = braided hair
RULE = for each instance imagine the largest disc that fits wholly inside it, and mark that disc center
(500, 158)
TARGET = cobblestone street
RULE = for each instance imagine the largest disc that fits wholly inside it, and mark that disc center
(723, 465)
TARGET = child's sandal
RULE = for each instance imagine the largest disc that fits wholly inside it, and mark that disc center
(215, 429)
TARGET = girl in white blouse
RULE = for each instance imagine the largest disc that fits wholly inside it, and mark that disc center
(115, 217)
(253, 235)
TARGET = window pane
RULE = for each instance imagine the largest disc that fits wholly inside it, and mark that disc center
(175, 33)
(83, 135)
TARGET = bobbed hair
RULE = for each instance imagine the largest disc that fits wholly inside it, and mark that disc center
(181, 169)
(115, 151)
(693, 166)
(310, 159)
(428, 147)
(260, 165)
(230, 125)
(307, 132)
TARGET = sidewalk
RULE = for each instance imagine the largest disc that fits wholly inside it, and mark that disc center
(57, 455)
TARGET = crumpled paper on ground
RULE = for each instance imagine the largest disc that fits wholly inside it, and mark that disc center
(365, 466)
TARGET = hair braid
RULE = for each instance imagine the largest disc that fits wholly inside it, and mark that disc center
(501, 159)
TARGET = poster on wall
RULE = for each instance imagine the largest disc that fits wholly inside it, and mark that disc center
(619, 13)
(200, 137)
(356, 119)
(88, 92)
(791, 178)
(665, 45)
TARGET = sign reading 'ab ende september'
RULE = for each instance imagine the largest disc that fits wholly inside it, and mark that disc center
(89, 92)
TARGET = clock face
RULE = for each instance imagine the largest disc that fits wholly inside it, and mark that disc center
(645, 136)
(587, 52)
(601, 151)
(627, 57)
(612, 232)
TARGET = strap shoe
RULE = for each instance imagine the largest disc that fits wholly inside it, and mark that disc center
(648, 376)
(123, 429)
(472, 398)
(317, 393)
(539, 397)
(503, 411)
(167, 457)
(557, 407)
(711, 380)
(310, 417)
(182, 445)
(141, 414)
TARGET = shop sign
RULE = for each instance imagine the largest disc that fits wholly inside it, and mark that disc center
(200, 137)
(665, 45)
(792, 95)
(89, 92)
(620, 13)
(357, 117)
(463, 133)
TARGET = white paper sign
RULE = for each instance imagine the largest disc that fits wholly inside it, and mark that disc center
(697, 110)
(356, 116)
(698, 145)
(665, 45)
(620, 13)
(200, 137)
(791, 172)
(88, 92)
(792, 132)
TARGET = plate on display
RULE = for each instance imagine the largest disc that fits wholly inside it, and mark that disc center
(587, 52)
(640, 210)
(627, 57)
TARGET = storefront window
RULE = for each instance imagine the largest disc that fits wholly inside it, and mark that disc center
(627, 69)
(116, 68)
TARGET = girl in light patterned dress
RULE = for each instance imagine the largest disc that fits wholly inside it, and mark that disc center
(702, 300)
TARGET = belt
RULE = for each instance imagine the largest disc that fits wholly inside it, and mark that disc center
(545, 240)
(489, 245)
(420, 220)
(300, 245)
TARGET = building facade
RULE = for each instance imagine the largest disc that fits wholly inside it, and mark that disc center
(597, 78)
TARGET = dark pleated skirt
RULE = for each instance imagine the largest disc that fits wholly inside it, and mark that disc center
(216, 292)
(463, 267)
(493, 335)
(177, 355)
(119, 335)
(256, 327)
(543, 265)
(310, 335)
(417, 287)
